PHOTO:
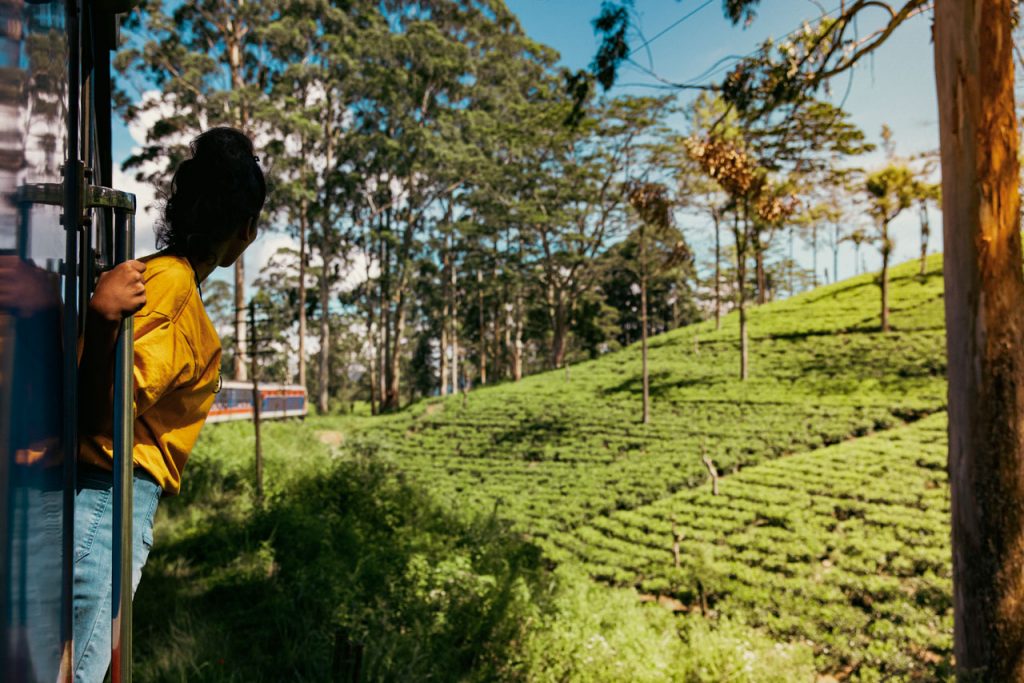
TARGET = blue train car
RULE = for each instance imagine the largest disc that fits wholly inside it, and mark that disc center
(277, 401)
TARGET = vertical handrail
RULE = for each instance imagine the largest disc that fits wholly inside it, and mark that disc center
(124, 423)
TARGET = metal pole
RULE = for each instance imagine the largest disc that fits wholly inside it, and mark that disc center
(124, 423)
(71, 220)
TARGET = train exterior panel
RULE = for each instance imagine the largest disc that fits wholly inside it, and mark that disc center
(277, 401)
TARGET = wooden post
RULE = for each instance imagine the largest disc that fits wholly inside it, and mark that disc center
(253, 355)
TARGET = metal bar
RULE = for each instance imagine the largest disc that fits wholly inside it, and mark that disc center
(53, 194)
(85, 128)
(70, 196)
(124, 424)
(39, 193)
(97, 196)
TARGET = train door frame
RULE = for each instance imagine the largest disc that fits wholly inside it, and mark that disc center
(91, 33)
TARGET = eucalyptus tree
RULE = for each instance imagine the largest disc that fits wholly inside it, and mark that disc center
(304, 40)
(652, 204)
(696, 189)
(735, 171)
(434, 73)
(319, 47)
(513, 124)
(805, 144)
(890, 191)
(579, 202)
(208, 64)
(925, 194)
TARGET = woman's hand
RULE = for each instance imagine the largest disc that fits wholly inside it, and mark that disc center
(120, 291)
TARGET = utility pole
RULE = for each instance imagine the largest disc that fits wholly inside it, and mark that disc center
(253, 356)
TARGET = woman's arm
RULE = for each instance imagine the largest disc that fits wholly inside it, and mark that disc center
(120, 292)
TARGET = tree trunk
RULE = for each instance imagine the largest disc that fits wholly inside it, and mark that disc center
(508, 352)
(241, 347)
(443, 370)
(233, 53)
(814, 252)
(718, 270)
(483, 329)
(984, 288)
(385, 321)
(497, 319)
(517, 336)
(453, 334)
(743, 320)
(926, 231)
(371, 329)
(762, 283)
(393, 397)
(325, 335)
(835, 255)
(303, 210)
(372, 342)
(741, 282)
(792, 259)
(559, 334)
(643, 347)
(445, 323)
(886, 248)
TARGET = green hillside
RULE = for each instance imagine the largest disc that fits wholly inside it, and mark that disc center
(844, 547)
(828, 536)
(559, 449)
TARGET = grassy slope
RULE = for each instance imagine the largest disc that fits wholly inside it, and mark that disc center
(553, 453)
(834, 531)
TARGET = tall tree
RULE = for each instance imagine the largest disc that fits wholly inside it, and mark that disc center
(651, 203)
(728, 164)
(206, 59)
(890, 191)
(925, 194)
(984, 325)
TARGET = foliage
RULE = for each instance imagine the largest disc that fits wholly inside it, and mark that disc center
(348, 555)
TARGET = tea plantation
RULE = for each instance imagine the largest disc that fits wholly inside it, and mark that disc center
(843, 546)
(538, 531)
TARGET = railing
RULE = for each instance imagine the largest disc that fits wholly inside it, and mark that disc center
(123, 206)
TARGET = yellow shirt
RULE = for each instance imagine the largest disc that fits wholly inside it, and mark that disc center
(177, 364)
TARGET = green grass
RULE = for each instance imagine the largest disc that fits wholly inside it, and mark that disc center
(828, 539)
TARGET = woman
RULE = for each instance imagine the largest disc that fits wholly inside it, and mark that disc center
(209, 220)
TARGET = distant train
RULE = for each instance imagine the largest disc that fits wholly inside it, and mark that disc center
(234, 401)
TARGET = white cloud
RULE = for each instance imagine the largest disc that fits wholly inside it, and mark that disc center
(147, 211)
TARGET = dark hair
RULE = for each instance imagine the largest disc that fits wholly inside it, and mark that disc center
(213, 194)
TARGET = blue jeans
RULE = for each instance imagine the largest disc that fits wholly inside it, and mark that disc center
(94, 512)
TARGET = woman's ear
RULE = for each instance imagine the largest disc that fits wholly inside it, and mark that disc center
(248, 233)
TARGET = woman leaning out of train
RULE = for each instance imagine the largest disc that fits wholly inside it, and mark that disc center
(209, 219)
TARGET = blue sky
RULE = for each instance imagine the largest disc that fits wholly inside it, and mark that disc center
(894, 86)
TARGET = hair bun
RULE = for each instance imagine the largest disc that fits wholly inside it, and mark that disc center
(213, 192)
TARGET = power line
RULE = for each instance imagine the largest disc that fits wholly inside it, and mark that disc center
(719, 66)
(668, 28)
